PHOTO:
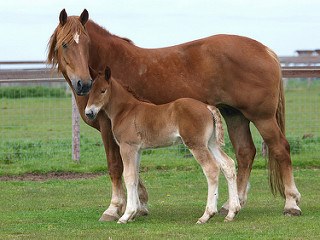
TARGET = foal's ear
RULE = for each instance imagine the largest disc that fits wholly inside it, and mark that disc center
(63, 17)
(84, 17)
(93, 73)
(107, 74)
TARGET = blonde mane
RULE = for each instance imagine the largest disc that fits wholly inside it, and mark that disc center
(64, 35)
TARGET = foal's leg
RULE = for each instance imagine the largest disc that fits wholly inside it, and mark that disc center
(211, 171)
(228, 168)
(115, 169)
(279, 151)
(241, 139)
(131, 158)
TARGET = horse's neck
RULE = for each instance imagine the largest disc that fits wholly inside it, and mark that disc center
(120, 101)
(109, 50)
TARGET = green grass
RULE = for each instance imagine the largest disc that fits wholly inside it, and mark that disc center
(36, 138)
(70, 209)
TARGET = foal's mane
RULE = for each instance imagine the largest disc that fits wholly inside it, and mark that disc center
(131, 91)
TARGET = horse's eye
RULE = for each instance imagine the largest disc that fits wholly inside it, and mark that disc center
(64, 45)
(103, 91)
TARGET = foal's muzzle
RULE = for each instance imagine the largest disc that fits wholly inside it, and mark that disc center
(91, 112)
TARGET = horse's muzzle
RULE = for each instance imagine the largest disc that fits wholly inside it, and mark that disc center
(82, 88)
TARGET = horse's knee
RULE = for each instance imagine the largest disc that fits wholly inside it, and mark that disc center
(280, 151)
(245, 156)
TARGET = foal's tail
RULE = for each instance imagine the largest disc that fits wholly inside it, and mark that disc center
(217, 124)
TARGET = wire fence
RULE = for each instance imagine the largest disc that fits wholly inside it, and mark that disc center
(36, 124)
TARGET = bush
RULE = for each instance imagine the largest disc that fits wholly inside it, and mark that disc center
(38, 91)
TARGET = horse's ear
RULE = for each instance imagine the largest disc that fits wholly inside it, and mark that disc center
(84, 17)
(63, 17)
(107, 74)
(93, 73)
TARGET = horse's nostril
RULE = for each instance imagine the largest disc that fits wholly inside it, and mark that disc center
(79, 84)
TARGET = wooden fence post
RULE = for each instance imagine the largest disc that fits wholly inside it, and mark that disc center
(75, 131)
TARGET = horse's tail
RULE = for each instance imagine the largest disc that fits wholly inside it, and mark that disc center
(219, 134)
(281, 107)
(275, 176)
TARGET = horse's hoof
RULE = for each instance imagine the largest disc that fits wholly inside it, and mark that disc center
(228, 219)
(223, 211)
(143, 212)
(108, 218)
(292, 212)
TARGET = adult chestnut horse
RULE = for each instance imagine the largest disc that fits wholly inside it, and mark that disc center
(237, 74)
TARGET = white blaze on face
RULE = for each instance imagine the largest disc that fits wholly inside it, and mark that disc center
(76, 37)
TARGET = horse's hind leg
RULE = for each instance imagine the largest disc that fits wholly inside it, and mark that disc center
(211, 171)
(280, 166)
(241, 139)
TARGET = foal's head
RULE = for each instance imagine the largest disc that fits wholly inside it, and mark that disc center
(99, 95)
(69, 49)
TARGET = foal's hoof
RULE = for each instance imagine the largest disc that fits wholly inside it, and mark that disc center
(200, 221)
(223, 211)
(122, 222)
(108, 218)
(292, 212)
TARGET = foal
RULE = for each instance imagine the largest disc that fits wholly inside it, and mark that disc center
(138, 125)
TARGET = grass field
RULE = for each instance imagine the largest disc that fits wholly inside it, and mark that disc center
(36, 138)
(70, 209)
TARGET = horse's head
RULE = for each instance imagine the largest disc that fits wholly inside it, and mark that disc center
(69, 49)
(100, 93)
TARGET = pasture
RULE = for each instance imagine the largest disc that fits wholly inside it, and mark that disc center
(36, 138)
(70, 209)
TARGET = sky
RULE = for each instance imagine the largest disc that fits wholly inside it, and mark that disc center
(282, 25)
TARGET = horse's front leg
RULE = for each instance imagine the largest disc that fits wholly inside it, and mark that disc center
(115, 170)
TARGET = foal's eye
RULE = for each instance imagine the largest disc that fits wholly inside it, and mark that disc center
(64, 45)
(103, 90)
